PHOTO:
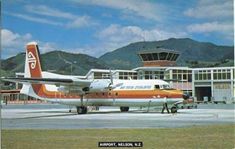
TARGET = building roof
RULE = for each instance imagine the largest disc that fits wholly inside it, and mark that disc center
(149, 68)
(178, 68)
(158, 50)
(213, 68)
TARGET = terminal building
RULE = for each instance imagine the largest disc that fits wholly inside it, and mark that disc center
(161, 64)
(216, 84)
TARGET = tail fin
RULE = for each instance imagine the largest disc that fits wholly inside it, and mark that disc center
(32, 61)
(32, 70)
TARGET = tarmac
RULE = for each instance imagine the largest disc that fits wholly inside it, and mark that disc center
(54, 116)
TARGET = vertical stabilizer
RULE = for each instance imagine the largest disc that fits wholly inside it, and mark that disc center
(32, 70)
(32, 61)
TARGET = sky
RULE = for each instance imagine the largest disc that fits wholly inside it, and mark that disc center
(95, 27)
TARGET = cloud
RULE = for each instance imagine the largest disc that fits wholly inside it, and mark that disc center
(215, 17)
(141, 8)
(79, 22)
(34, 19)
(48, 11)
(117, 33)
(116, 36)
(73, 21)
(223, 30)
(13, 43)
(47, 15)
(47, 46)
(13, 40)
(212, 9)
(210, 27)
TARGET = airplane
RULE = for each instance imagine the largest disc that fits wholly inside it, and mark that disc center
(81, 93)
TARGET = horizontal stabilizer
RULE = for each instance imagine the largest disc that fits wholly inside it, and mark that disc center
(52, 81)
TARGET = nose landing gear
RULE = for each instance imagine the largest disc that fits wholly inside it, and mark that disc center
(124, 109)
(81, 110)
(174, 109)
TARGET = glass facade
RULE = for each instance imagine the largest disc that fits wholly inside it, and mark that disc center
(121, 75)
(101, 75)
(202, 74)
(218, 74)
(159, 56)
(127, 75)
(224, 74)
(182, 75)
(153, 75)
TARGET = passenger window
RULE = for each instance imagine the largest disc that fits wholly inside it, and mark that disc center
(157, 87)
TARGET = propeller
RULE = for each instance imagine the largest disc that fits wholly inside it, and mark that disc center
(111, 76)
(111, 85)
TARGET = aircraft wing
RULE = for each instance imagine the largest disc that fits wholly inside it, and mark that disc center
(52, 81)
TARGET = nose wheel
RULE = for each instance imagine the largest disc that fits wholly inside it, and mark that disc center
(124, 109)
(81, 110)
(174, 109)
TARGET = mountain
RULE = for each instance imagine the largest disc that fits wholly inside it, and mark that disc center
(55, 61)
(193, 54)
(12, 65)
(191, 51)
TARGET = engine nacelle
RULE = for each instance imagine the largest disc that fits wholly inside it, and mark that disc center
(95, 86)
(98, 86)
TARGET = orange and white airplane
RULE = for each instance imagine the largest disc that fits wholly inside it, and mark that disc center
(75, 91)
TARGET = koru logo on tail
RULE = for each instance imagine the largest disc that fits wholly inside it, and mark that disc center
(31, 60)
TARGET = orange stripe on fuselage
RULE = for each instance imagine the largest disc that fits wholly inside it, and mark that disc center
(136, 94)
(130, 94)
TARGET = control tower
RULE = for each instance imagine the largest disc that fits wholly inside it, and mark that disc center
(159, 57)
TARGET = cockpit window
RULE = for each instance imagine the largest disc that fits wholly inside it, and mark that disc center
(166, 87)
(163, 87)
(157, 87)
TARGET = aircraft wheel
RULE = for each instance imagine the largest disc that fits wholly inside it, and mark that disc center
(173, 109)
(124, 109)
(82, 110)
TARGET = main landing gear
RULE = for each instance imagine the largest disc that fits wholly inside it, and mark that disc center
(81, 110)
(124, 109)
(70, 109)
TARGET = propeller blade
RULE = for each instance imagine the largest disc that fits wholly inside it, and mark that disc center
(111, 76)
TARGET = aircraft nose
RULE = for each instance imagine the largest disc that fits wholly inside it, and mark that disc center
(187, 99)
(185, 96)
